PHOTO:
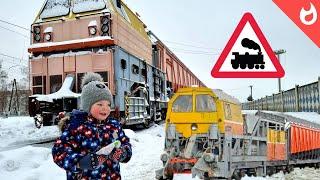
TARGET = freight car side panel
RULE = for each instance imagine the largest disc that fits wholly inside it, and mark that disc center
(276, 145)
(303, 139)
(177, 73)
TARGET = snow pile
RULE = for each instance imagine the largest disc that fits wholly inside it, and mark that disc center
(55, 8)
(29, 163)
(15, 131)
(88, 5)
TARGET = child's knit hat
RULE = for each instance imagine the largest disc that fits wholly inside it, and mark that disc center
(93, 90)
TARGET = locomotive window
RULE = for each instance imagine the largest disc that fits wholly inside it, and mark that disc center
(205, 103)
(37, 90)
(123, 64)
(55, 83)
(37, 81)
(121, 10)
(88, 5)
(54, 8)
(79, 78)
(104, 76)
(182, 104)
(135, 69)
(44, 84)
(227, 111)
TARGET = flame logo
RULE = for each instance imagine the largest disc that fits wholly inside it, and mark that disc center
(304, 13)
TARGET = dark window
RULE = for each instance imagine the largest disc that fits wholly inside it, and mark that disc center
(144, 72)
(44, 84)
(37, 90)
(135, 69)
(104, 76)
(118, 3)
(79, 78)
(123, 64)
(37, 81)
(55, 83)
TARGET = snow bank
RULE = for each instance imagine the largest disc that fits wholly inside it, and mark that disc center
(147, 146)
(21, 130)
(29, 163)
(36, 162)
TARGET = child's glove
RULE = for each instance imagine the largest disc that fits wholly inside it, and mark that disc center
(118, 155)
(91, 161)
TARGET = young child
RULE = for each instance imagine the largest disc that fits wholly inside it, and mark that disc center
(88, 130)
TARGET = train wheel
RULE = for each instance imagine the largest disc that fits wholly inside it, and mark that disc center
(38, 121)
(256, 66)
(236, 175)
(147, 123)
(243, 66)
(250, 66)
(262, 66)
(235, 66)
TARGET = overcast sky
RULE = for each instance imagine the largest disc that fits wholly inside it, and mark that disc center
(197, 32)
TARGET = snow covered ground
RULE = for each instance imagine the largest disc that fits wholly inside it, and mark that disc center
(28, 162)
(35, 163)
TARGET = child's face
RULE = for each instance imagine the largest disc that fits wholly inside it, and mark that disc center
(100, 110)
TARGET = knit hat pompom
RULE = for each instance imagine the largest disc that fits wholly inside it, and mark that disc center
(89, 77)
(93, 90)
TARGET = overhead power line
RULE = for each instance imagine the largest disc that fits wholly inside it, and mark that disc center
(194, 52)
(5, 55)
(14, 32)
(190, 45)
(15, 25)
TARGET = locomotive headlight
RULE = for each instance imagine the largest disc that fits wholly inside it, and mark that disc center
(105, 20)
(36, 30)
(92, 30)
(105, 28)
(209, 158)
(37, 37)
(47, 36)
(194, 127)
(164, 157)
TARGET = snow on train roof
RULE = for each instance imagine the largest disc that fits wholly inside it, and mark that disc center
(312, 117)
(224, 96)
(88, 5)
(55, 8)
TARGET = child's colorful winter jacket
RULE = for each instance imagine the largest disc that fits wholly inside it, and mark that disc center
(75, 150)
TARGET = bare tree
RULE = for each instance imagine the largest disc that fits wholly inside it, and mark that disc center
(3, 89)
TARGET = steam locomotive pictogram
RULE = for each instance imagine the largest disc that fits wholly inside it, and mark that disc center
(246, 60)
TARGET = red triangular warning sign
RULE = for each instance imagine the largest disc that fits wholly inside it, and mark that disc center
(247, 54)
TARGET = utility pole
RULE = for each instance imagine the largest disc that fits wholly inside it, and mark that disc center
(278, 52)
(250, 97)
